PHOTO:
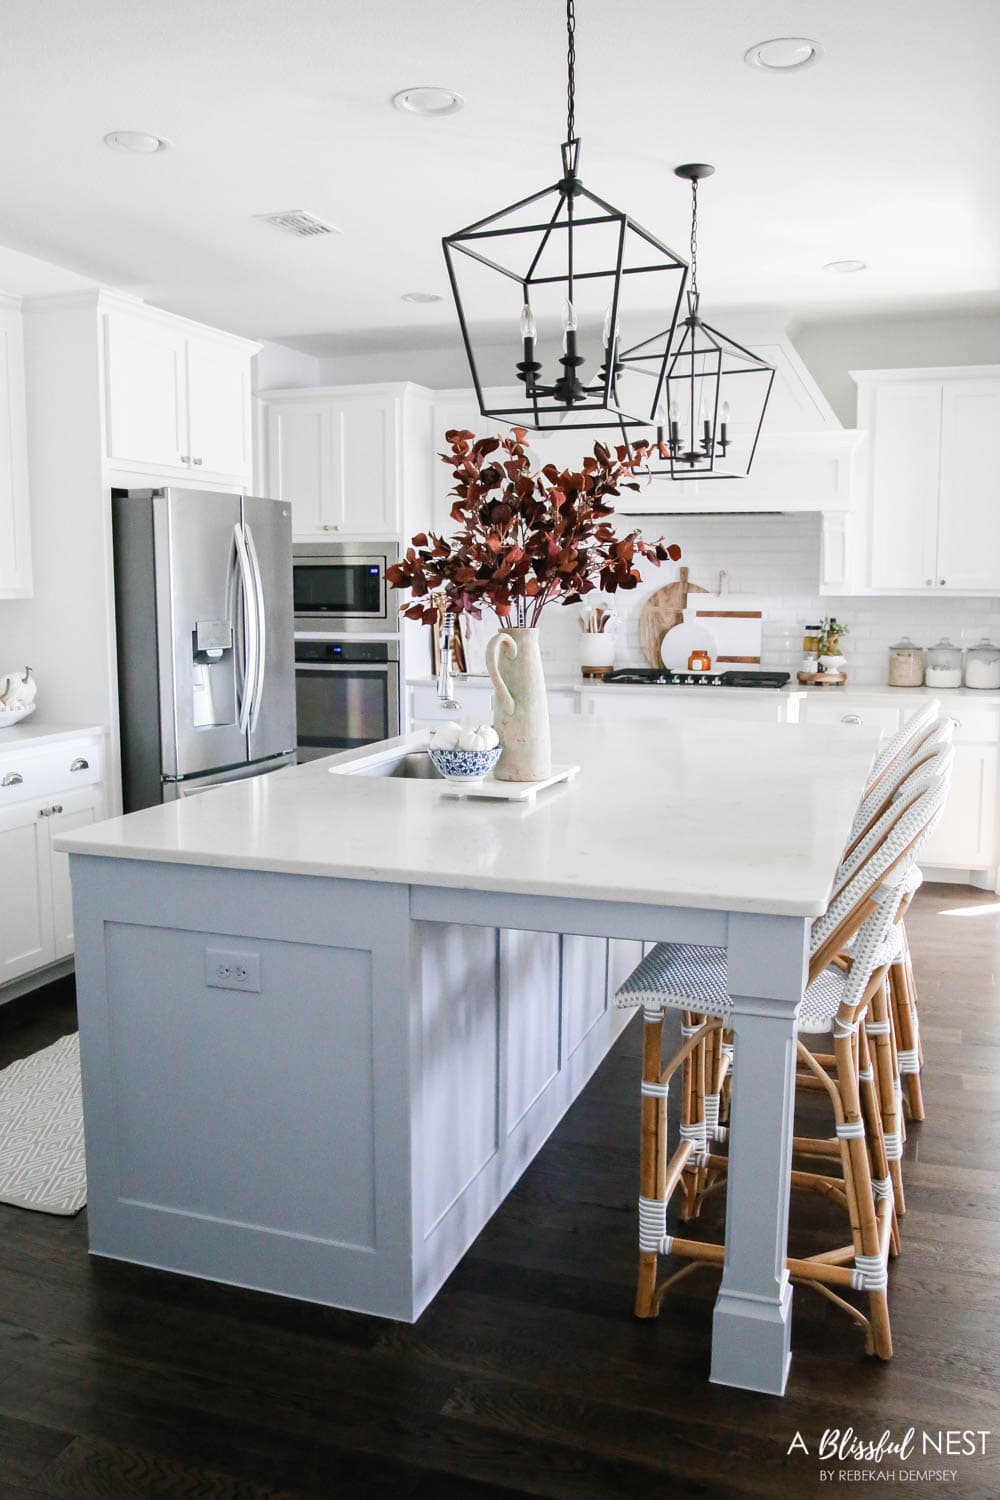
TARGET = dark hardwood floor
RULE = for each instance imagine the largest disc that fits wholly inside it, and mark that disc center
(528, 1374)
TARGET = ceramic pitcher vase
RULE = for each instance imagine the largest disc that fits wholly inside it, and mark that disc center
(520, 707)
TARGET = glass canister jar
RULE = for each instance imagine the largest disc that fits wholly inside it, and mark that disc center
(906, 664)
(944, 665)
(982, 665)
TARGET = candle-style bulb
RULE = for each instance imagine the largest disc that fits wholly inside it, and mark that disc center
(725, 411)
(610, 334)
(675, 411)
(528, 326)
(660, 415)
(704, 411)
(569, 317)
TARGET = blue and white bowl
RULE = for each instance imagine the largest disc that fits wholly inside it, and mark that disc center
(464, 765)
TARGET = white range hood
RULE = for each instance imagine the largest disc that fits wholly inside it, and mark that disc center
(804, 459)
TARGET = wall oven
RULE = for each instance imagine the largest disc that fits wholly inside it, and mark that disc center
(341, 586)
(346, 694)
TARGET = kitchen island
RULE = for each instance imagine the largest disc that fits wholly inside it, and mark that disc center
(328, 1016)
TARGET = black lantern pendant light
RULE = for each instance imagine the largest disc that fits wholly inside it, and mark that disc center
(712, 393)
(575, 272)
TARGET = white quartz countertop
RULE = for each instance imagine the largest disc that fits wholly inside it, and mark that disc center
(32, 732)
(660, 814)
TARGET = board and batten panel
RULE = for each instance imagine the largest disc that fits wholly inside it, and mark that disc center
(530, 1019)
(584, 988)
(459, 1021)
(623, 955)
(291, 1150)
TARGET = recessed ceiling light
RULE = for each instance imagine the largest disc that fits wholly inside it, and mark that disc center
(846, 267)
(421, 297)
(136, 142)
(783, 54)
(425, 100)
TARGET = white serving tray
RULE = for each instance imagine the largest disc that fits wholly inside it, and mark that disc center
(508, 791)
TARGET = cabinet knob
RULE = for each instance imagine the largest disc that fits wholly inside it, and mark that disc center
(79, 764)
(943, 582)
(48, 812)
(11, 778)
(930, 583)
(185, 458)
(957, 723)
(197, 460)
(851, 719)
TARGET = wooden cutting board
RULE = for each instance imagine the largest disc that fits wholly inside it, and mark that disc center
(661, 612)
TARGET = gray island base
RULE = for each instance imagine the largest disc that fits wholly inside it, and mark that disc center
(326, 1020)
(342, 1132)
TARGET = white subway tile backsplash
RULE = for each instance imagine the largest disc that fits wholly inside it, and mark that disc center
(775, 559)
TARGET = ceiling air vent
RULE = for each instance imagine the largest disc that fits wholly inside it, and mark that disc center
(296, 221)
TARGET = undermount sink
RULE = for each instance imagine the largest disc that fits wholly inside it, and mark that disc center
(408, 765)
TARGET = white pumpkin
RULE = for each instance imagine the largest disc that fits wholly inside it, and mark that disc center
(482, 737)
(446, 736)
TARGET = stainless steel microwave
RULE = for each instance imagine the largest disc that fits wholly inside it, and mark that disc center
(341, 586)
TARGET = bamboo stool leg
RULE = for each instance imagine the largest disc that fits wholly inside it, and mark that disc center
(693, 1119)
(872, 1113)
(871, 1227)
(652, 1152)
(879, 1030)
(907, 1033)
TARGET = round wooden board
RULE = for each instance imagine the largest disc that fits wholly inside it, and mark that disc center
(661, 612)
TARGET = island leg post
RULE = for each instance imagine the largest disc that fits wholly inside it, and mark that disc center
(751, 1330)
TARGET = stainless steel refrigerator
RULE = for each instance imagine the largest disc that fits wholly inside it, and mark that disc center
(206, 671)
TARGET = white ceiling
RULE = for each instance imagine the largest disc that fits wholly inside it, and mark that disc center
(888, 150)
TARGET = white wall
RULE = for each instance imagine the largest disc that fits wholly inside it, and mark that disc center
(277, 367)
(775, 561)
(831, 349)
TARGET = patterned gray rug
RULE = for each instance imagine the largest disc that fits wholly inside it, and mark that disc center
(42, 1163)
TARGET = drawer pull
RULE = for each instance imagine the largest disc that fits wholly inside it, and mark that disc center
(11, 778)
(80, 764)
(851, 719)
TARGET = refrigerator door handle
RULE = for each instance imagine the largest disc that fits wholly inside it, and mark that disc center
(248, 602)
(261, 613)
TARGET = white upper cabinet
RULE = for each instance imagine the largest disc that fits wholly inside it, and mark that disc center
(930, 514)
(15, 546)
(219, 412)
(334, 456)
(968, 538)
(177, 398)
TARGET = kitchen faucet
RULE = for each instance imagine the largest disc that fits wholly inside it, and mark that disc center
(445, 686)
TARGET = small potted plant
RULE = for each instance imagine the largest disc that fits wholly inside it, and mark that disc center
(526, 539)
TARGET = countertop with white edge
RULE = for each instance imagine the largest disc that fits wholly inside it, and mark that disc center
(31, 732)
(986, 696)
(664, 815)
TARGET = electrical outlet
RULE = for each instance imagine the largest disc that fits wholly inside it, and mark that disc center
(226, 970)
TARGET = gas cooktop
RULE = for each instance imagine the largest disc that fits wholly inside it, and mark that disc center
(663, 677)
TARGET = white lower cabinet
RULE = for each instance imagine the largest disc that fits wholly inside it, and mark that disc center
(45, 790)
(27, 939)
(965, 838)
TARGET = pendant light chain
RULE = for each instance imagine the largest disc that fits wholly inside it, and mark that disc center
(694, 237)
(570, 70)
